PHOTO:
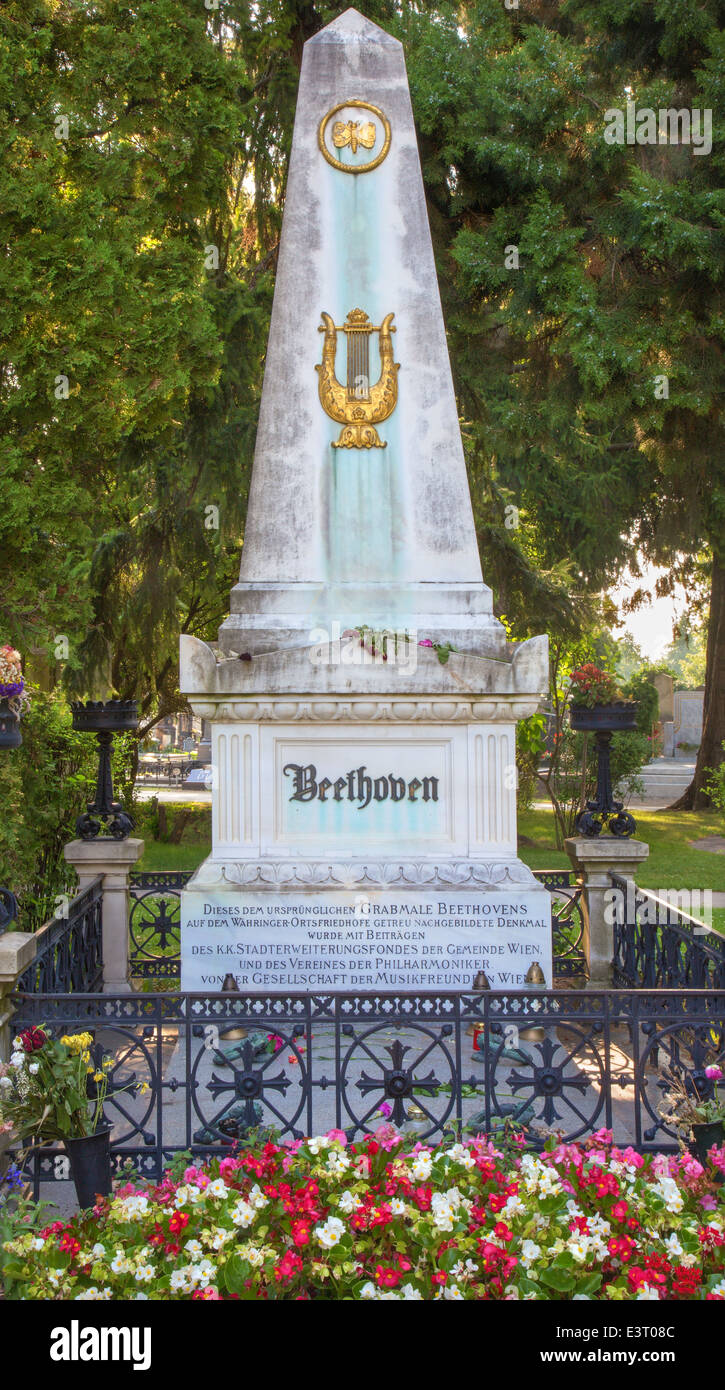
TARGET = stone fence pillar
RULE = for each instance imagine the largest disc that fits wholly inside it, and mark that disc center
(595, 860)
(113, 861)
(17, 951)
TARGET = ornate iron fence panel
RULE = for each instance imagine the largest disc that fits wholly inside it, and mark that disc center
(69, 955)
(567, 922)
(153, 924)
(155, 933)
(199, 1072)
(656, 946)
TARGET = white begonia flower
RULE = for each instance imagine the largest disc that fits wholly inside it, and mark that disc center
(99, 1251)
(462, 1155)
(138, 1296)
(579, 1248)
(202, 1274)
(217, 1188)
(513, 1204)
(38, 1243)
(133, 1208)
(421, 1166)
(337, 1162)
(397, 1207)
(452, 1293)
(144, 1274)
(180, 1281)
(319, 1143)
(242, 1214)
(409, 1295)
(330, 1233)
(119, 1263)
(530, 1252)
(368, 1290)
(349, 1201)
(672, 1245)
(219, 1238)
(719, 1288)
(254, 1256)
(194, 1249)
(257, 1198)
(87, 1295)
(647, 1294)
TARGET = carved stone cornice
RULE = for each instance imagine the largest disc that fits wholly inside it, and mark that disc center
(360, 711)
(274, 875)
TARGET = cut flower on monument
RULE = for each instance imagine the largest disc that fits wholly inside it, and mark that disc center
(381, 1220)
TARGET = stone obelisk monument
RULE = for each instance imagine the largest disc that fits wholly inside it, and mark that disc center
(363, 699)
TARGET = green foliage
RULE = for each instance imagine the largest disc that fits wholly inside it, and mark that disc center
(530, 736)
(640, 687)
(44, 785)
(715, 786)
(172, 823)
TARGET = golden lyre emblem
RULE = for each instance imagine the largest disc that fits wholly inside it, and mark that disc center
(353, 133)
(358, 406)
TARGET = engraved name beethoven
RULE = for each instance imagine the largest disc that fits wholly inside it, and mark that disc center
(358, 786)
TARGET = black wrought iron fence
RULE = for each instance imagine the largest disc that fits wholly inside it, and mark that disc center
(155, 932)
(154, 924)
(198, 1072)
(658, 946)
(69, 948)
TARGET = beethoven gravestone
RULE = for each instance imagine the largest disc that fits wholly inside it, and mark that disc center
(364, 786)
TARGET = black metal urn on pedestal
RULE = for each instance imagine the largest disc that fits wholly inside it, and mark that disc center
(104, 719)
(604, 721)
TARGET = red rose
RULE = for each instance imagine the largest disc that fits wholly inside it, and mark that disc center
(33, 1039)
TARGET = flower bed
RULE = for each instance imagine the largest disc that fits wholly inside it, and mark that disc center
(377, 1219)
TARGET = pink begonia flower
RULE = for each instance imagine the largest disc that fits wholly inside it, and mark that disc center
(692, 1169)
(603, 1136)
(426, 642)
(337, 1134)
(716, 1156)
(228, 1166)
(713, 1073)
(708, 1203)
(387, 1136)
(385, 1109)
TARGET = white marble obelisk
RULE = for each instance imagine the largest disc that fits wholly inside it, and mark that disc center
(364, 809)
(384, 536)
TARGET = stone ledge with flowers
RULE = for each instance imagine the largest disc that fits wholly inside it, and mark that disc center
(380, 1219)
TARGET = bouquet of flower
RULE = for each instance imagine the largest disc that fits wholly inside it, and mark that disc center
(12, 684)
(687, 1103)
(590, 686)
(44, 1089)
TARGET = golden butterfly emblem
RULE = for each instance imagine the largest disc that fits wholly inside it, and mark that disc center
(354, 133)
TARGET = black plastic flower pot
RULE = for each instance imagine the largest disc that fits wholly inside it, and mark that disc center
(90, 1165)
(10, 735)
(615, 718)
(703, 1138)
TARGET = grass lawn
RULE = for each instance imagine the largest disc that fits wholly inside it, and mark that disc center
(672, 862)
(157, 855)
